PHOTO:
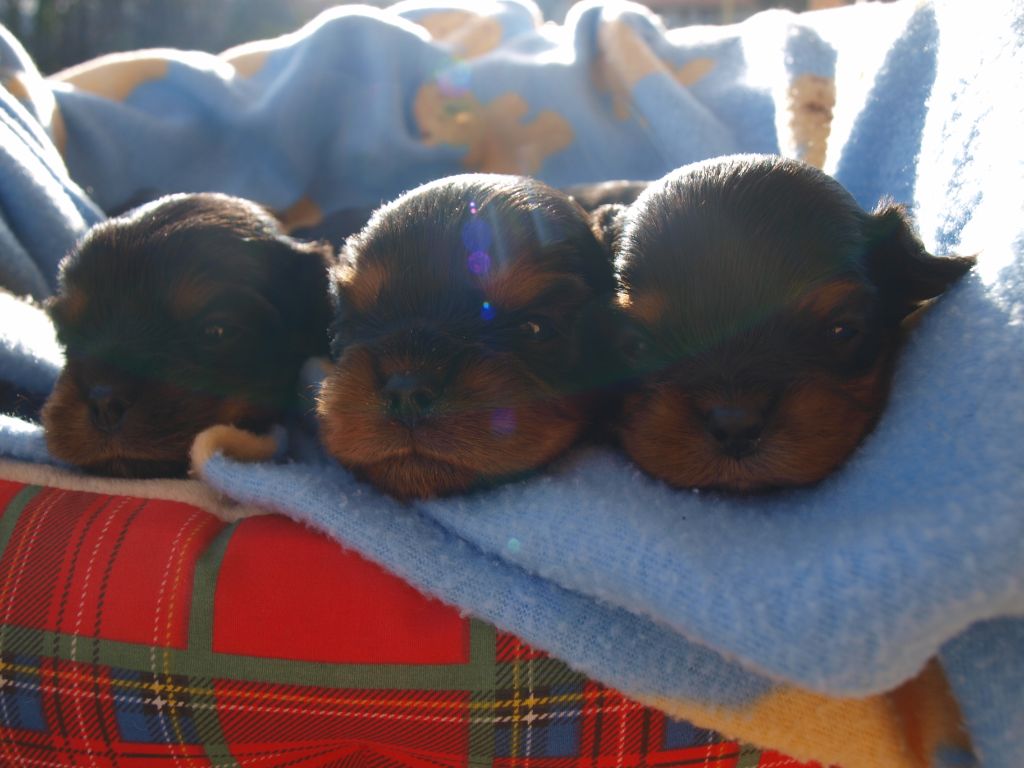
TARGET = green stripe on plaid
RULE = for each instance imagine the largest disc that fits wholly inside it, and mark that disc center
(12, 513)
(477, 674)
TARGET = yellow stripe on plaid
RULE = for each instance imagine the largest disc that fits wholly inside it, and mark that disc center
(296, 698)
(516, 720)
(178, 552)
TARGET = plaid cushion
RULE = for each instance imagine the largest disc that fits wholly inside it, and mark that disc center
(137, 632)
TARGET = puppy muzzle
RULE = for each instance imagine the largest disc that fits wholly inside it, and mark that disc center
(107, 407)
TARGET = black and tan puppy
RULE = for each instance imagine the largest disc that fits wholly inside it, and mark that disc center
(763, 313)
(187, 312)
(463, 317)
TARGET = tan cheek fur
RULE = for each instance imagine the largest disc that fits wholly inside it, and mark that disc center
(69, 434)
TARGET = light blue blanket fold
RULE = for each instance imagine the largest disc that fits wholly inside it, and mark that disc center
(914, 550)
(42, 211)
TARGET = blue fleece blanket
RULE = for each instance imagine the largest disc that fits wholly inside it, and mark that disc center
(798, 620)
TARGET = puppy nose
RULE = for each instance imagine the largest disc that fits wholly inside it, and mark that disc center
(106, 408)
(409, 397)
(737, 428)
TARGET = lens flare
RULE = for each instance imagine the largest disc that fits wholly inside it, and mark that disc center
(476, 235)
(503, 421)
(479, 263)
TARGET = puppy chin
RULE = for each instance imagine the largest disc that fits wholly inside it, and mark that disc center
(815, 429)
(417, 477)
(98, 455)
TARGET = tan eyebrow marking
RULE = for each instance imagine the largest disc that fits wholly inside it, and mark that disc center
(190, 295)
(522, 283)
(824, 299)
(648, 307)
(363, 286)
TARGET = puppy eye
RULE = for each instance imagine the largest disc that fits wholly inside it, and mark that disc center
(843, 332)
(633, 346)
(536, 329)
(218, 334)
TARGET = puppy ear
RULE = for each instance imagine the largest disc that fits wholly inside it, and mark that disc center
(56, 309)
(606, 222)
(905, 274)
(300, 275)
(342, 273)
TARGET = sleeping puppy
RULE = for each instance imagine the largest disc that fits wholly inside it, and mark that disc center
(463, 313)
(763, 314)
(187, 312)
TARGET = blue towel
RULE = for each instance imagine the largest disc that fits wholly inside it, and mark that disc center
(796, 620)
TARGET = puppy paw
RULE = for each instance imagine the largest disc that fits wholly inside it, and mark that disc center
(234, 443)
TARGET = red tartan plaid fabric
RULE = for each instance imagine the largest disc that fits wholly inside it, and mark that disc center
(147, 633)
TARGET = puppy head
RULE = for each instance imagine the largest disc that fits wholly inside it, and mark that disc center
(462, 317)
(763, 310)
(190, 311)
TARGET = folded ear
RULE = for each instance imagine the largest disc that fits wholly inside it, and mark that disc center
(606, 222)
(300, 290)
(905, 274)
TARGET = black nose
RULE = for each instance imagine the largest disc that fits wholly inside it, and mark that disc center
(409, 397)
(737, 428)
(107, 407)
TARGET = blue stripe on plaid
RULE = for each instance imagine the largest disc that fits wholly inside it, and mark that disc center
(543, 722)
(148, 712)
(679, 734)
(21, 698)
